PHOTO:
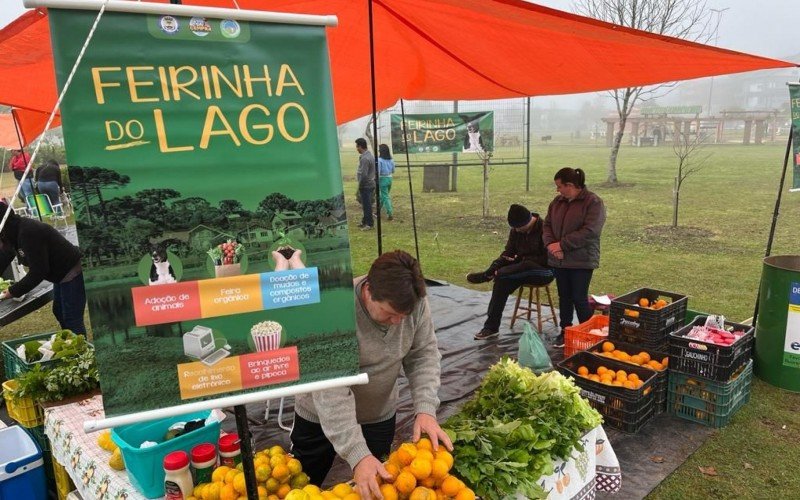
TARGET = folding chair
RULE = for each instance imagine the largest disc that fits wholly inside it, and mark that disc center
(40, 204)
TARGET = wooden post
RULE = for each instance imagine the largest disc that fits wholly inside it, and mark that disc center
(759, 138)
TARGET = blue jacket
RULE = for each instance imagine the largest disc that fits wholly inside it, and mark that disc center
(385, 167)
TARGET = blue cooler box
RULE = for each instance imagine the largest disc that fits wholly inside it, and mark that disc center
(21, 466)
(145, 466)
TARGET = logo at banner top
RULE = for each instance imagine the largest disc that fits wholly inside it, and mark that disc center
(199, 26)
(169, 25)
(230, 28)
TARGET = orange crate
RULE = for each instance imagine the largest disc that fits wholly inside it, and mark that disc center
(577, 338)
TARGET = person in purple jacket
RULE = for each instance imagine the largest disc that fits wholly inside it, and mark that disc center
(571, 235)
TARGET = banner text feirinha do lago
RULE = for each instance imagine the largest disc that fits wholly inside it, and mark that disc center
(254, 123)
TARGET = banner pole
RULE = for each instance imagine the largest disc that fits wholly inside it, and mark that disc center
(28, 167)
(246, 443)
(375, 132)
(775, 213)
(410, 185)
(239, 399)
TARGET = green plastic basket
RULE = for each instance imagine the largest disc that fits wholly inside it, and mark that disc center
(708, 402)
(14, 365)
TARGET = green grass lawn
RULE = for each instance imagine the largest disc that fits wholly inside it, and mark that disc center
(714, 256)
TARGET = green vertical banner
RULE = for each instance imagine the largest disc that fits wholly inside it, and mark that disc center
(207, 188)
(794, 100)
(444, 133)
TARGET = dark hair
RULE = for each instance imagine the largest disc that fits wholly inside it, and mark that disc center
(383, 152)
(574, 176)
(51, 163)
(395, 277)
(361, 142)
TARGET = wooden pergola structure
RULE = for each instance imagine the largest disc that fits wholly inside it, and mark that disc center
(653, 129)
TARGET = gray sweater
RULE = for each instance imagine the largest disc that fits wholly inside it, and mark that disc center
(366, 170)
(410, 346)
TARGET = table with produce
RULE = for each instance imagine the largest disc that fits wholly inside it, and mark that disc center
(521, 434)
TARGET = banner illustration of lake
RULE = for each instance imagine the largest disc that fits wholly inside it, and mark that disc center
(207, 187)
(444, 133)
(794, 98)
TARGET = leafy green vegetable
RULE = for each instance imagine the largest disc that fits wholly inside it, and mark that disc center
(516, 425)
(65, 344)
(75, 375)
(4, 284)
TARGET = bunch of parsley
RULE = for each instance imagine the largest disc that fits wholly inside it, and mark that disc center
(517, 424)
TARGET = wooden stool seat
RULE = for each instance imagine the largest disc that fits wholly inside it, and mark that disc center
(521, 311)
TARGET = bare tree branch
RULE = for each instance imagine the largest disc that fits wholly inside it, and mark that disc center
(687, 19)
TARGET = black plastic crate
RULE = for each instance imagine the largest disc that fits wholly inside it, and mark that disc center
(706, 401)
(624, 409)
(661, 382)
(707, 360)
(661, 345)
(638, 323)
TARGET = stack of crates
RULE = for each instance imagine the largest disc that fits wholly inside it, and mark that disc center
(627, 410)
(26, 411)
(709, 383)
(647, 328)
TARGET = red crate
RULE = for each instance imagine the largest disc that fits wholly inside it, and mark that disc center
(577, 338)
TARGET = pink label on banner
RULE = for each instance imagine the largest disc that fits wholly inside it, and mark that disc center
(269, 367)
(157, 304)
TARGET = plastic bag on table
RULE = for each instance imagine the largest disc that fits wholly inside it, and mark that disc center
(532, 352)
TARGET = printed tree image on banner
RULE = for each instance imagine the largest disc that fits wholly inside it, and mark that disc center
(444, 133)
(207, 188)
(794, 98)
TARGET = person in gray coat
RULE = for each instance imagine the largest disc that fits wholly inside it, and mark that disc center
(571, 235)
(365, 175)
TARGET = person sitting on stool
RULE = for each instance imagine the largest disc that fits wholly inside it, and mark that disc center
(523, 262)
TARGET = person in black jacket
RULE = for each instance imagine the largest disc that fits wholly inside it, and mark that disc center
(48, 256)
(523, 262)
(48, 181)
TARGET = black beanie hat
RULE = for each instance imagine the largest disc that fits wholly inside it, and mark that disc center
(518, 216)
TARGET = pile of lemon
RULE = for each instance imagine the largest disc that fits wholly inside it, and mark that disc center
(277, 474)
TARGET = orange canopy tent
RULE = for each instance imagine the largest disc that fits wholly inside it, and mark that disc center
(431, 49)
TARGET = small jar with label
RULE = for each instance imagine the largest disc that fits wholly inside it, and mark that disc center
(178, 483)
(230, 452)
(204, 459)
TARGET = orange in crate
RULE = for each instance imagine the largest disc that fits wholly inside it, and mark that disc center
(577, 338)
